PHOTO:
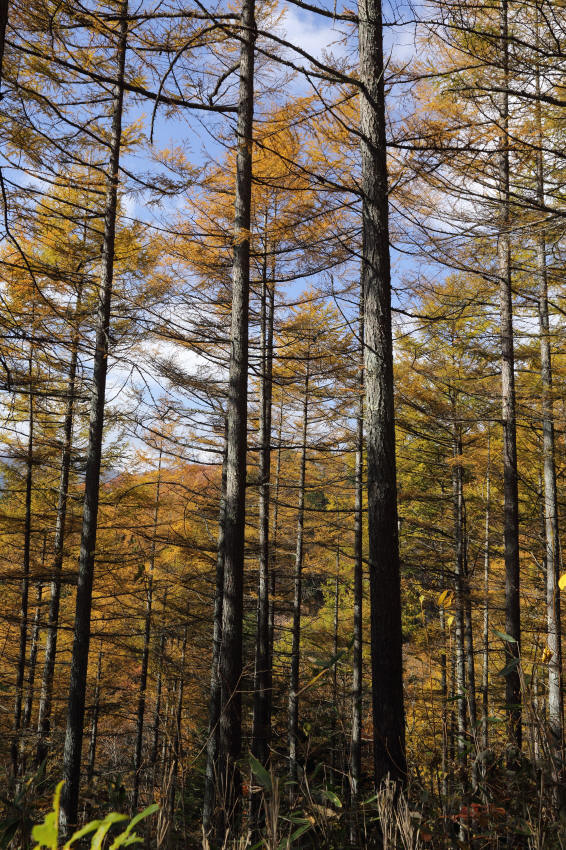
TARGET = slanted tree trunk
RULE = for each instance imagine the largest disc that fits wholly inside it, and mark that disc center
(510, 481)
(81, 638)
(298, 595)
(230, 664)
(25, 576)
(357, 670)
(550, 502)
(385, 589)
(46, 695)
(146, 644)
(261, 732)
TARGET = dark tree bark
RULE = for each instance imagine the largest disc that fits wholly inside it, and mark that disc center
(298, 594)
(385, 590)
(510, 486)
(81, 640)
(235, 506)
(145, 649)
(46, 695)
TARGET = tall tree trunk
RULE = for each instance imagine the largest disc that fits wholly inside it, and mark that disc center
(176, 749)
(25, 575)
(212, 743)
(79, 660)
(3, 23)
(274, 539)
(46, 695)
(261, 733)
(550, 501)
(335, 666)
(486, 559)
(230, 665)
(298, 594)
(459, 594)
(146, 643)
(444, 698)
(469, 631)
(157, 711)
(510, 483)
(357, 669)
(385, 589)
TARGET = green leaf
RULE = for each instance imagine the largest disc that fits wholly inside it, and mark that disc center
(260, 773)
(80, 833)
(47, 833)
(504, 636)
(300, 831)
(126, 838)
(329, 795)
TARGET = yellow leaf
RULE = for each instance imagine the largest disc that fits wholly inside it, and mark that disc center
(450, 620)
(562, 581)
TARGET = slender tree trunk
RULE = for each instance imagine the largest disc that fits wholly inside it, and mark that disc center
(177, 739)
(550, 501)
(3, 23)
(146, 643)
(510, 481)
(94, 722)
(157, 711)
(297, 599)
(230, 665)
(274, 539)
(486, 559)
(25, 576)
(469, 634)
(46, 695)
(444, 698)
(33, 654)
(385, 589)
(335, 666)
(79, 660)
(261, 733)
(459, 594)
(212, 743)
(357, 669)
